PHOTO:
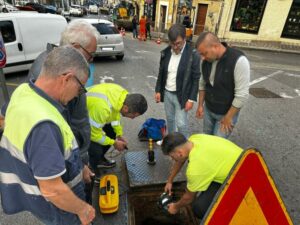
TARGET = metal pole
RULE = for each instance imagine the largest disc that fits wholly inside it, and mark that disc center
(3, 86)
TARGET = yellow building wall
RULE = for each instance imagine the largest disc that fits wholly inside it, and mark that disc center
(273, 21)
(212, 15)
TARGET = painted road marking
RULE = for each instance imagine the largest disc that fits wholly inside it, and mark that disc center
(265, 77)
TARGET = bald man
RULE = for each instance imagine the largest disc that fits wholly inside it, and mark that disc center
(224, 85)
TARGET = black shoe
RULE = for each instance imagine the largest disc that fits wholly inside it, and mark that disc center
(106, 163)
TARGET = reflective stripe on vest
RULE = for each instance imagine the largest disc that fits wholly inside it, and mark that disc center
(115, 123)
(100, 95)
(10, 178)
(95, 124)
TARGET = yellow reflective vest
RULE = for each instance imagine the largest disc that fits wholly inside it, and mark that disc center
(104, 103)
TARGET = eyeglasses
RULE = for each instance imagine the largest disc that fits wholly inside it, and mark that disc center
(82, 89)
(91, 55)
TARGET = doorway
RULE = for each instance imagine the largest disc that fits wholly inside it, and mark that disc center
(163, 15)
(201, 17)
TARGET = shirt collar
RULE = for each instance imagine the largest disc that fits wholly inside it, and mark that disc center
(53, 102)
(172, 51)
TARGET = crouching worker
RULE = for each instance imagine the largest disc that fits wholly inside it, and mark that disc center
(106, 103)
(210, 159)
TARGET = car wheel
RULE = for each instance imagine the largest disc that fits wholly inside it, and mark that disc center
(120, 57)
(5, 10)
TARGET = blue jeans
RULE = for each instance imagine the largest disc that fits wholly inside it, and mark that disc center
(134, 33)
(176, 117)
(211, 123)
(63, 219)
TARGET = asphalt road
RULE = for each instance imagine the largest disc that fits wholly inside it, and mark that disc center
(268, 124)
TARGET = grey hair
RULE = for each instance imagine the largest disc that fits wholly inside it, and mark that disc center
(177, 30)
(79, 31)
(63, 60)
(209, 36)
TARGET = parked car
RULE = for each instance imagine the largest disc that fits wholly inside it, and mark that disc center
(111, 41)
(93, 9)
(50, 9)
(6, 7)
(38, 7)
(75, 10)
(26, 35)
(25, 8)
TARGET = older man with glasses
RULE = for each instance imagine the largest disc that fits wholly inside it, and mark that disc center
(40, 168)
(177, 82)
(82, 36)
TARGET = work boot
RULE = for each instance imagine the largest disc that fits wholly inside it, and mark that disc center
(106, 163)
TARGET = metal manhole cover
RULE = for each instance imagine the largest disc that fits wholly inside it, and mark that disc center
(140, 173)
(263, 93)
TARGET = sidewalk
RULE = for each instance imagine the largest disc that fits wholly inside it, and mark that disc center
(248, 44)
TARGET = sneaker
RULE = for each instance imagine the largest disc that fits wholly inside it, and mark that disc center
(159, 142)
(106, 163)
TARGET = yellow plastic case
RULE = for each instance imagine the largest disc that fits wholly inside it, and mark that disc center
(109, 194)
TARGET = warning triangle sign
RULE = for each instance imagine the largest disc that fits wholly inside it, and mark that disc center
(248, 196)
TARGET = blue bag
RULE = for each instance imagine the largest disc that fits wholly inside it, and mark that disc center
(152, 128)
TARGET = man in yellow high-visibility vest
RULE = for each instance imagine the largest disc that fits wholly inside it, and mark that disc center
(106, 103)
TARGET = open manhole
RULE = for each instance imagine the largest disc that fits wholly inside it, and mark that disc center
(263, 93)
(144, 210)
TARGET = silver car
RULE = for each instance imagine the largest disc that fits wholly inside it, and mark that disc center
(111, 41)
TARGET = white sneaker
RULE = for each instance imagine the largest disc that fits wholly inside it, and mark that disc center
(159, 142)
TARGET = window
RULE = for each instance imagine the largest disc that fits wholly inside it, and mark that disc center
(292, 24)
(248, 15)
(106, 28)
(7, 31)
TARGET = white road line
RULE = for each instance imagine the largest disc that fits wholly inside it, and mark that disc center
(284, 95)
(152, 77)
(265, 77)
(292, 75)
(103, 79)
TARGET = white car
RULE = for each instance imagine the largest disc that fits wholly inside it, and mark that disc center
(76, 10)
(93, 9)
(111, 41)
(6, 7)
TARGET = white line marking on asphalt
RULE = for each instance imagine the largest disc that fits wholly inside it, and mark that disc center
(292, 75)
(298, 92)
(284, 95)
(265, 77)
(105, 78)
(142, 51)
(152, 77)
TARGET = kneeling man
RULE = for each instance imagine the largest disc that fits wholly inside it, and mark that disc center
(210, 159)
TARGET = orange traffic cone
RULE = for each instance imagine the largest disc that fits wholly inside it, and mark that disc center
(158, 41)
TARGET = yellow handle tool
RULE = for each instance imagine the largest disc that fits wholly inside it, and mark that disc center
(109, 194)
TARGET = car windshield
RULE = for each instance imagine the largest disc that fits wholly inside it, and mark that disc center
(106, 28)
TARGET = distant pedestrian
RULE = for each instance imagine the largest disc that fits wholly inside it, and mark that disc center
(134, 27)
(178, 80)
(224, 85)
(143, 28)
(148, 28)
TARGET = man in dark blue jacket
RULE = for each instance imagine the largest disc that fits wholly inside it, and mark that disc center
(178, 80)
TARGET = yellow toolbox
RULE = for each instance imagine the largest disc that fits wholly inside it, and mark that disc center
(109, 194)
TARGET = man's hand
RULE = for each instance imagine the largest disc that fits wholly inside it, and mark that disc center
(172, 208)
(1, 122)
(188, 106)
(87, 214)
(200, 112)
(120, 145)
(226, 124)
(168, 188)
(157, 97)
(120, 138)
(87, 174)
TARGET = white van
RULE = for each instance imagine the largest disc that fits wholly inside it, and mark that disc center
(26, 35)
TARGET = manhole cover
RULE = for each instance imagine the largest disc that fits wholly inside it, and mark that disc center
(140, 173)
(263, 93)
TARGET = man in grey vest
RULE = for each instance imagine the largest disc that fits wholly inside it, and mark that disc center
(224, 85)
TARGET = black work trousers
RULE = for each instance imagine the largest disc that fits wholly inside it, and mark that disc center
(97, 151)
(203, 201)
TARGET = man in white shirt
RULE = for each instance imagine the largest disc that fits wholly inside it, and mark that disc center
(178, 80)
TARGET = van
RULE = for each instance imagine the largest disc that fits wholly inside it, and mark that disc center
(26, 35)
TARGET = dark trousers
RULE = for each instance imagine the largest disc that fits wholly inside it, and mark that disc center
(97, 151)
(203, 201)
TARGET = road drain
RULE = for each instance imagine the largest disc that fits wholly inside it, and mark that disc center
(143, 209)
